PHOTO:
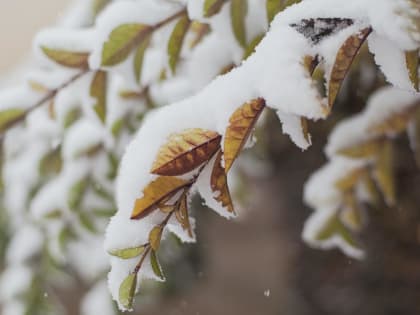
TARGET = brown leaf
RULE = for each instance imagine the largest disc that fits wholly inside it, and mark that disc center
(240, 126)
(219, 184)
(185, 151)
(395, 123)
(343, 61)
(158, 190)
(182, 216)
(155, 237)
(362, 150)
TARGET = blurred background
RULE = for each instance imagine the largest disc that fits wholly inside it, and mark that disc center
(259, 264)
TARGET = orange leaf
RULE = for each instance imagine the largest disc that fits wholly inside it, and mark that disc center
(219, 184)
(185, 151)
(240, 126)
(343, 61)
(160, 189)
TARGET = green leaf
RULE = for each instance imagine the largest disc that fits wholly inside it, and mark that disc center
(127, 253)
(8, 116)
(66, 58)
(155, 265)
(238, 12)
(211, 7)
(99, 5)
(87, 222)
(76, 194)
(51, 163)
(71, 117)
(122, 41)
(127, 291)
(412, 63)
(98, 88)
(335, 227)
(273, 7)
(249, 50)
(176, 41)
(139, 56)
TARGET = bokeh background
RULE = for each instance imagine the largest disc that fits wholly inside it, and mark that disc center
(259, 264)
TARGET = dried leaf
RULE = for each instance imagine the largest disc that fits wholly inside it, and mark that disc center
(395, 123)
(182, 215)
(156, 266)
(238, 12)
(122, 40)
(362, 150)
(98, 89)
(161, 188)
(155, 236)
(384, 172)
(128, 253)
(139, 57)
(9, 116)
(65, 58)
(127, 291)
(343, 61)
(412, 63)
(176, 41)
(219, 184)
(185, 151)
(212, 7)
(350, 180)
(240, 126)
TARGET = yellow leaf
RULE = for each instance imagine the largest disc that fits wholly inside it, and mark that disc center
(98, 89)
(155, 236)
(219, 184)
(158, 190)
(238, 12)
(412, 63)
(182, 215)
(185, 151)
(211, 7)
(66, 58)
(176, 40)
(384, 172)
(362, 150)
(343, 61)
(240, 126)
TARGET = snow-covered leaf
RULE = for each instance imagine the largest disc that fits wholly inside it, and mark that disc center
(127, 291)
(122, 40)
